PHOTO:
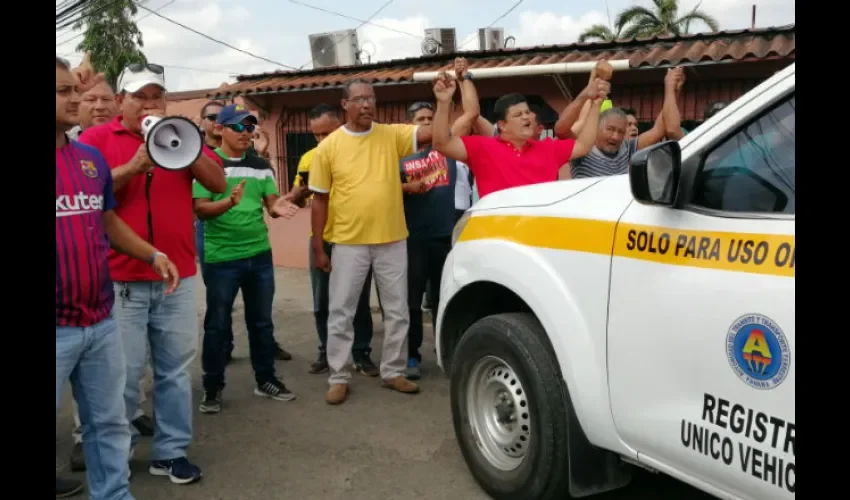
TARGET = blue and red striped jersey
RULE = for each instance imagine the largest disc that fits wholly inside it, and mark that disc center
(84, 294)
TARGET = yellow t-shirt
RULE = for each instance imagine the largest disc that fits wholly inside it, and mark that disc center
(360, 171)
(304, 166)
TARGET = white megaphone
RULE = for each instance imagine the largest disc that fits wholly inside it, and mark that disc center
(173, 143)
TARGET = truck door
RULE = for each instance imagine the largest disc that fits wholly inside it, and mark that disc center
(701, 333)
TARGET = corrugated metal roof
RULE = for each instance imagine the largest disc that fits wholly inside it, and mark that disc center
(647, 52)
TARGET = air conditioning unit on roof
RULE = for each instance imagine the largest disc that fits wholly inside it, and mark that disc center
(439, 41)
(491, 38)
(337, 48)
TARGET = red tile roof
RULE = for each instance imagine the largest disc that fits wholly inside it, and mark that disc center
(642, 52)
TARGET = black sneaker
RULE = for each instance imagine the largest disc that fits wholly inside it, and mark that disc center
(280, 353)
(144, 425)
(179, 470)
(274, 389)
(363, 364)
(67, 488)
(78, 460)
(211, 402)
(320, 365)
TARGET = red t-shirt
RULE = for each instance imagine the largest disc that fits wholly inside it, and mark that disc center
(497, 164)
(170, 227)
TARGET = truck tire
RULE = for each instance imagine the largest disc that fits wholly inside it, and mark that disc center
(509, 410)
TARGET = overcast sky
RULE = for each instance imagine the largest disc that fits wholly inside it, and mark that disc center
(278, 29)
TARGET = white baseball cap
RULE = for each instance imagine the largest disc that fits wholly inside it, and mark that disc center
(137, 75)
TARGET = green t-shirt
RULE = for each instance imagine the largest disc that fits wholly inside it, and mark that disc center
(241, 232)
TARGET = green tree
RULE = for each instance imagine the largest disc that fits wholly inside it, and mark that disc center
(111, 35)
(598, 33)
(663, 19)
(637, 21)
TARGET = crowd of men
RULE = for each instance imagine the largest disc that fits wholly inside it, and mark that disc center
(384, 200)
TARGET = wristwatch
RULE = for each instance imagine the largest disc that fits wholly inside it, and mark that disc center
(154, 256)
(467, 76)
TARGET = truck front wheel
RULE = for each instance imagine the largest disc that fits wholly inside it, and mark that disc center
(509, 409)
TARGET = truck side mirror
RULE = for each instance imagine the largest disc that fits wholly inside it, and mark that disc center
(654, 174)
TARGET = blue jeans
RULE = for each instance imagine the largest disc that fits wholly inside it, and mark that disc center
(169, 325)
(320, 280)
(199, 243)
(255, 276)
(93, 359)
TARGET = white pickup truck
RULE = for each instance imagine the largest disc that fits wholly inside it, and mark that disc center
(648, 319)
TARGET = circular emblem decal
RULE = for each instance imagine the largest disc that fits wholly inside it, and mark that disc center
(758, 351)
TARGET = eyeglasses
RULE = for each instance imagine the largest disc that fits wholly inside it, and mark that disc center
(139, 67)
(211, 117)
(362, 100)
(242, 127)
(416, 106)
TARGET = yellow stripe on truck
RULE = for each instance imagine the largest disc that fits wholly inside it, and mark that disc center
(741, 252)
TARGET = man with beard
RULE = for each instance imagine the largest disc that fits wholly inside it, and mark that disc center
(88, 342)
(157, 204)
(324, 121)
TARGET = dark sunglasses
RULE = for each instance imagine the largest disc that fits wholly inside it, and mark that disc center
(416, 106)
(242, 127)
(211, 117)
(139, 67)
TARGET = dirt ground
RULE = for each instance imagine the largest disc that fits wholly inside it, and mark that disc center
(379, 444)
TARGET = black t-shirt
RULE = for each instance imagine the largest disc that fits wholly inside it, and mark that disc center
(431, 214)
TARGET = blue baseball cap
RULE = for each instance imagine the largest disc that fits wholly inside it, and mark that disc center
(233, 114)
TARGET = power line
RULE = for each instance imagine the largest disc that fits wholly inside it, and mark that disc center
(172, 66)
(78, 35)
(344, 16)
(69, 12)
(255, 56)
(387, 4)
(85, 13)
(517, 4)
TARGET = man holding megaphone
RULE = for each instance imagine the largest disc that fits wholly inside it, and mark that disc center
(157, 204)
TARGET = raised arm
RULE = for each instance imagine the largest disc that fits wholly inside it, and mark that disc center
(587, 136)
(465, 124)
(659, 130)
(447, 144)
(670, 110)
(571, 121)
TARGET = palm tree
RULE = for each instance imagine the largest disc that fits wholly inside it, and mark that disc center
(598, 32)
(662, 20)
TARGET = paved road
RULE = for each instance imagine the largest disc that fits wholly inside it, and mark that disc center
(378, 445)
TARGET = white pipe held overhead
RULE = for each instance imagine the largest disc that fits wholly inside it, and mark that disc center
(531, 70)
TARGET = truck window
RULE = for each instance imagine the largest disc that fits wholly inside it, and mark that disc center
(754, 169)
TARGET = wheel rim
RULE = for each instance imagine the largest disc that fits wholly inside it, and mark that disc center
(499, 414)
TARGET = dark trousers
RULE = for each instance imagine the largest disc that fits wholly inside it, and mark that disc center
(199, 244)
(429, 288)
(320, 281)
(255, 276)
(425, 260)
